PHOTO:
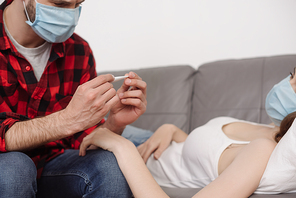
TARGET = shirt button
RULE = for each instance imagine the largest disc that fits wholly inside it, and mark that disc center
(28, 68)
(35, 97)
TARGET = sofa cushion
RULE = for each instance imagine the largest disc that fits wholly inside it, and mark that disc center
(237, 88)
(169, 92)
(190, 192)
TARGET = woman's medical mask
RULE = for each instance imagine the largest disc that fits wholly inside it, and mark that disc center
(280, 101)
(54, 24)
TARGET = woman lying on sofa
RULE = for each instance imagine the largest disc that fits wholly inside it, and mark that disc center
(226, 157)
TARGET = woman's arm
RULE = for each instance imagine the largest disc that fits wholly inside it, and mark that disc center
(242, 177)
(160, 140)
(239, 179)
(130, 162)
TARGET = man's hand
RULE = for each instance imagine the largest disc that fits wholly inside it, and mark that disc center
(90, 103)
(132, 105)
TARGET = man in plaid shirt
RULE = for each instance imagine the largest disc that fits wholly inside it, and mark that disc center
(51, 99)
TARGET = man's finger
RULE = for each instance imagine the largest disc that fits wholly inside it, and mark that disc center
(99, 80)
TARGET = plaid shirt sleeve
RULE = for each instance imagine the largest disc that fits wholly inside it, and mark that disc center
(63, 80)
(7, 119)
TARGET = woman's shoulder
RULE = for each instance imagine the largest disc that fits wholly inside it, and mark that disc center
(221, 120)
(263, 145)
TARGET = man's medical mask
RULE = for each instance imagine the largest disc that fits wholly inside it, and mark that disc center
(280, 101)
(54, 24)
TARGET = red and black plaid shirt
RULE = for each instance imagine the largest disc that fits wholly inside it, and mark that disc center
(22, 97)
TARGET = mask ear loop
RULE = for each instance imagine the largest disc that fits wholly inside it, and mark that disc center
(26, 12)
(292, 75)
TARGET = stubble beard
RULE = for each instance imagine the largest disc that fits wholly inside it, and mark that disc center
(31, 10)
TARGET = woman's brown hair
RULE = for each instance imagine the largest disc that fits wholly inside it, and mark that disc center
(285, 125)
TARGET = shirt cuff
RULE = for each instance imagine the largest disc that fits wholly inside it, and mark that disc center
(7, 119)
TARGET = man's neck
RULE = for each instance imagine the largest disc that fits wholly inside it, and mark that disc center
(15, 20)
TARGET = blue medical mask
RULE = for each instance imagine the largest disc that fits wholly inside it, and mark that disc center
(54, 24)
(280, 101)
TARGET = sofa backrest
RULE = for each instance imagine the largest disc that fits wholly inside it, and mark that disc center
(189, 98)
(169, 91)
(237, 88)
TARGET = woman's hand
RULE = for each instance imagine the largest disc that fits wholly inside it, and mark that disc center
(158, 142)
(105, 139)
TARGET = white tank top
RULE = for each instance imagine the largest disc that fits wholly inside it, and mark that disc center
(194, 163)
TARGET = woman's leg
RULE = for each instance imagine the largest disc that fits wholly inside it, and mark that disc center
(136, 135)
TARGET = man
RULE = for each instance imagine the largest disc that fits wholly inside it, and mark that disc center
(50, 99)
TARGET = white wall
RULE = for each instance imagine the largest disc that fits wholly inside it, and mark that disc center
(128, 34)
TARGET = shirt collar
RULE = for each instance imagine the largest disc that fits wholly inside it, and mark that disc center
(4, 40)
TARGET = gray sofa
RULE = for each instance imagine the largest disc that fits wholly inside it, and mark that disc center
(189, 97)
